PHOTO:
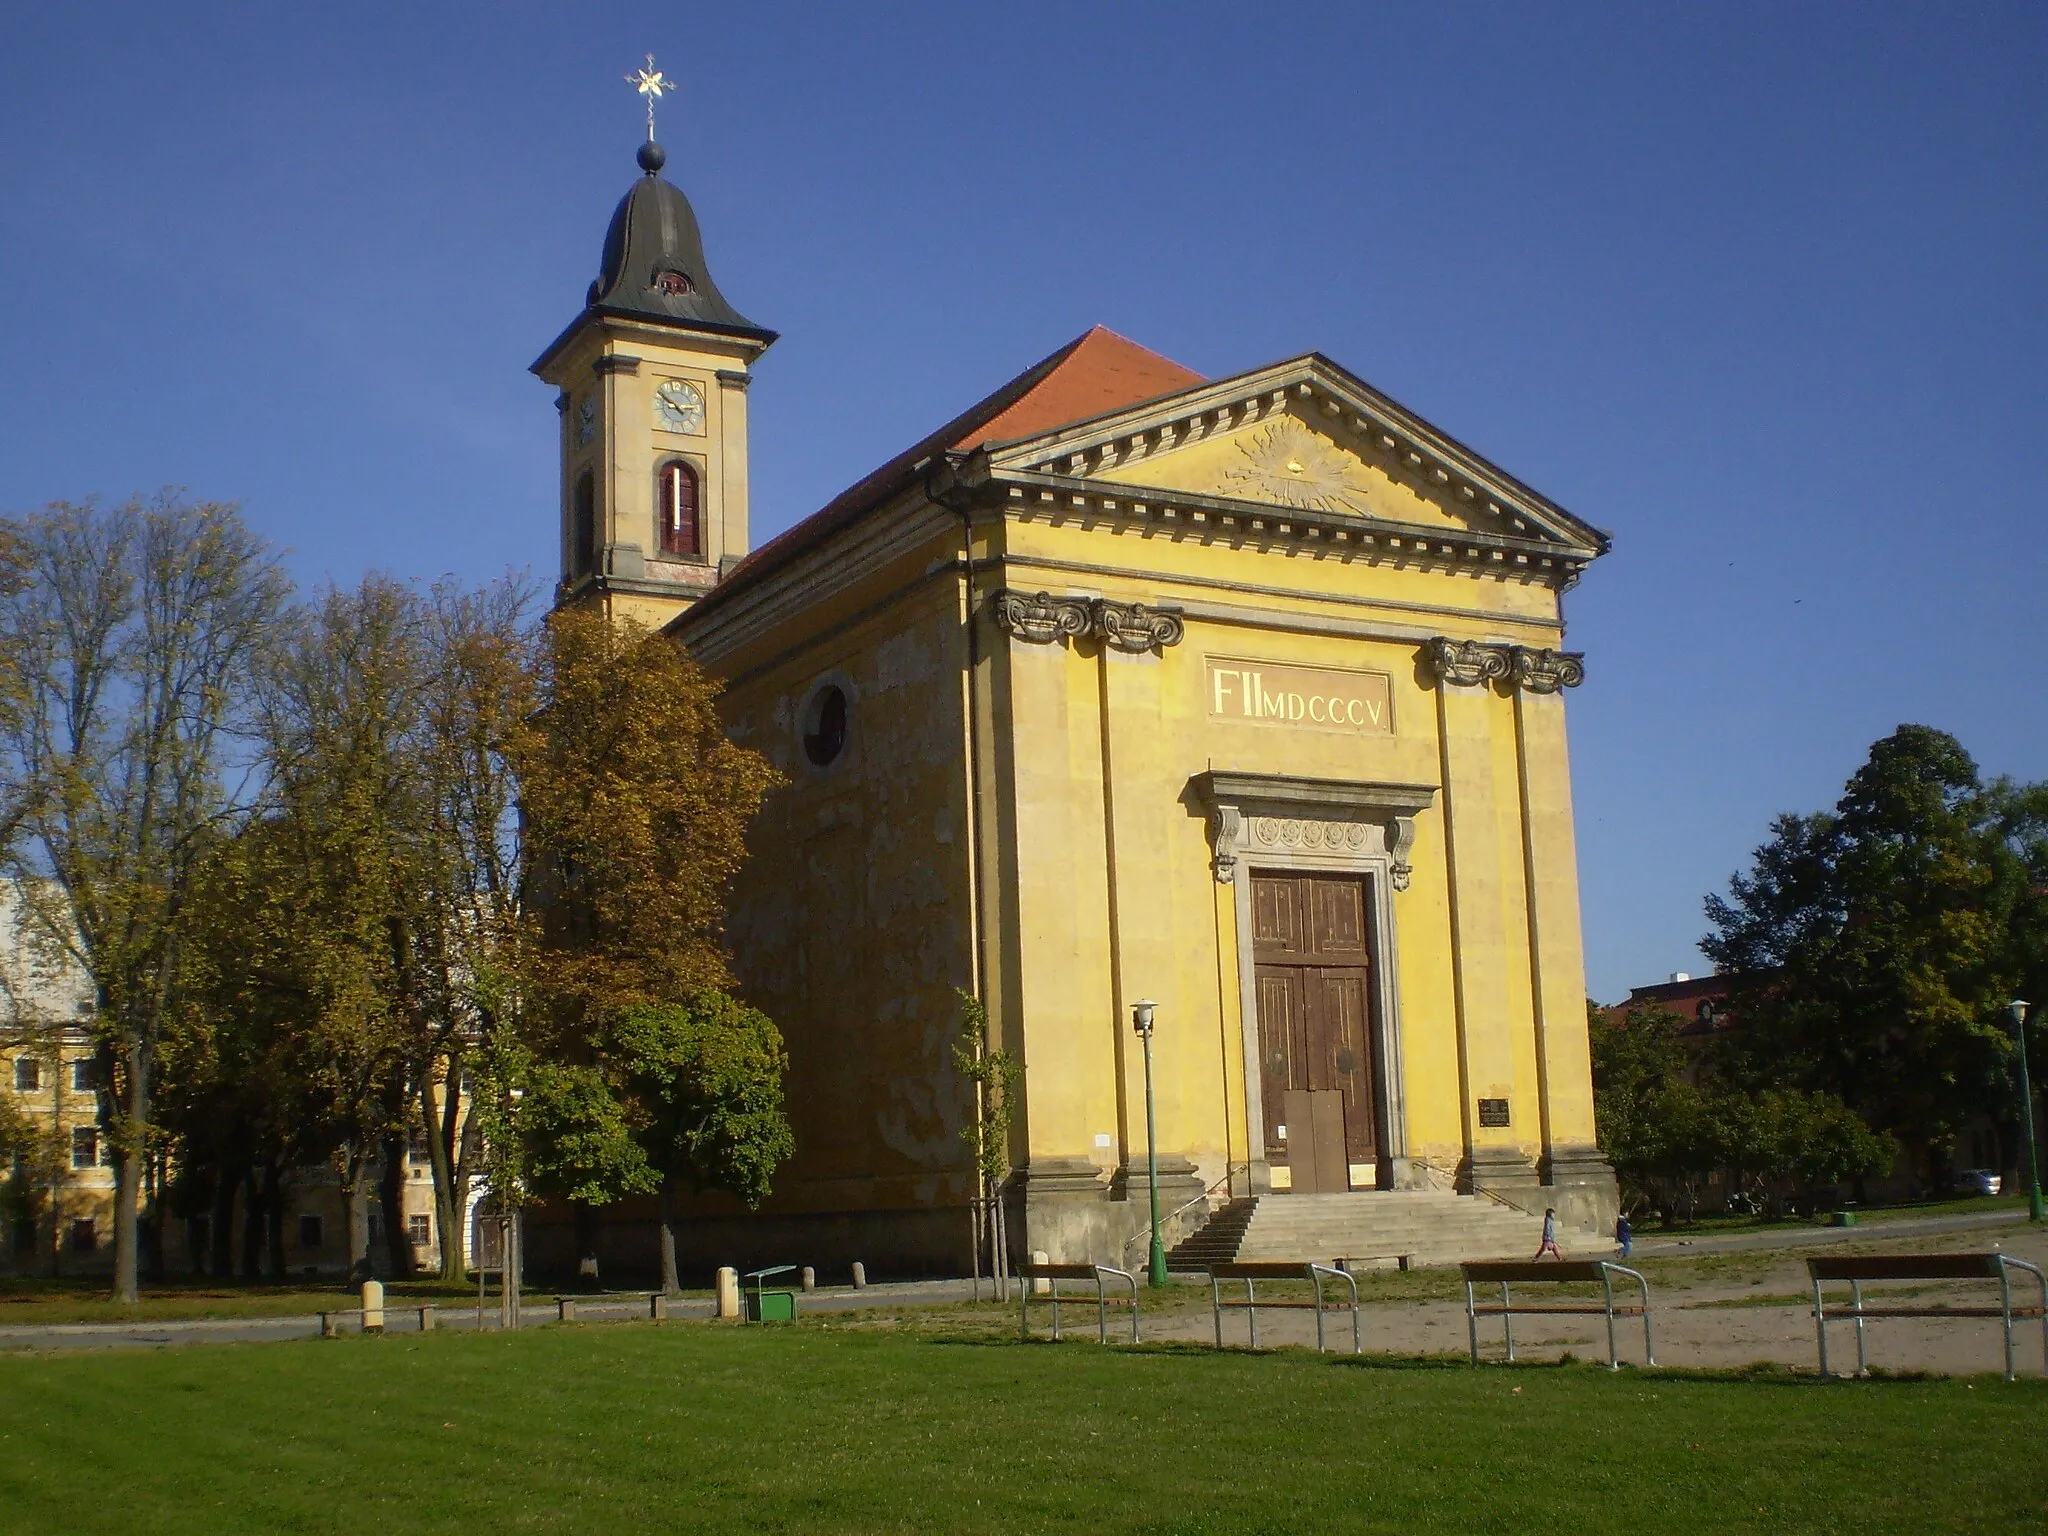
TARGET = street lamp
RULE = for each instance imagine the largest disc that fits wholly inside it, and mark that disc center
(2018, 1010)
(1141, 1021)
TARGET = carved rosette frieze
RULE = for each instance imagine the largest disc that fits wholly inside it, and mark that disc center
(1275, 819)
(1040, 618)
(1474, 663)
(1135, 628)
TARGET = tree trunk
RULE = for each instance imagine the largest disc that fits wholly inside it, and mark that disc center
(670, 1284)
(221, 1226)
(355, 1215)
(391, 1192)
(589, 1234)
(128, 1170)
(443, 1120)
(252, 1225)
(273, 1217)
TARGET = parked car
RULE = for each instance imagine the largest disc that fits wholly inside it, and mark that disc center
(1977, 1181)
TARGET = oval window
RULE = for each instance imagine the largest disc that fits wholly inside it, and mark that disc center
(824, 726)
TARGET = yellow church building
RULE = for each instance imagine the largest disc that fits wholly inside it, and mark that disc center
(1243, 696)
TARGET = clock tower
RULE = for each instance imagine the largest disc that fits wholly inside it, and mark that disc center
(651, 383)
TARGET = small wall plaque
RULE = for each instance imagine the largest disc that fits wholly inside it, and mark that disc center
(1493, 1112)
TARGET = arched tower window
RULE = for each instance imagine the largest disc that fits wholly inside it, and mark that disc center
(583, 527)
(681, 526)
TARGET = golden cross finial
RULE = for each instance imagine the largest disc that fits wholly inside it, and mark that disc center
(650, 82)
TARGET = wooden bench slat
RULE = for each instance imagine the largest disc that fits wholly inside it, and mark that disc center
(1538, 1269)
(1263, 1269)
(1621, 1309)
(1906, 1266)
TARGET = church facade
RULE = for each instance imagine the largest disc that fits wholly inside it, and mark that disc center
(1244, 697)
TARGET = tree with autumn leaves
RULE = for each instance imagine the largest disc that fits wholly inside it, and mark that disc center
(350, 875)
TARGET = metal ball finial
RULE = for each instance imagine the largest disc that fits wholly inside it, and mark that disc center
(652, 157)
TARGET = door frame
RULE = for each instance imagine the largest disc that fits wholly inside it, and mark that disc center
(1280, 825)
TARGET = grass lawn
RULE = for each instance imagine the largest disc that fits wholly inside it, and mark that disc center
(700, 1427)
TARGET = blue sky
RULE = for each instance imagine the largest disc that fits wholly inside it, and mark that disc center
(1759, 288)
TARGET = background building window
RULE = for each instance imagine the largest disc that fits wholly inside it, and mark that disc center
(309, 1232)
(421, 1230)
(28, 1074)
(85, 1237)
(583, 527)
(24, 1234)
(85, 1075)
(85, 1147)
(680, 533)
(416, 1151)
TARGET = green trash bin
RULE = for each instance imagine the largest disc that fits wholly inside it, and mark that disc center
(765, 1305)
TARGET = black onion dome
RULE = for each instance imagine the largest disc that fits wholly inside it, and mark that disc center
(653, 266)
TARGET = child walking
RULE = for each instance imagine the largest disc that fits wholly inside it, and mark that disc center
(1550, 1235)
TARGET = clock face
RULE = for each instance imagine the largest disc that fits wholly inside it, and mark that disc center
(586, 421)
(679, 406)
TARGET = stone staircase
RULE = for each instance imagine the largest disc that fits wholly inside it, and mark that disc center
(1435, 1226)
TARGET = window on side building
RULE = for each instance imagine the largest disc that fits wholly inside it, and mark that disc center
(24, 1234)
(85, 1237)
(421, 1230)
(309, 1232)
(85, 1147)
(85, 1075)
(28, 1074)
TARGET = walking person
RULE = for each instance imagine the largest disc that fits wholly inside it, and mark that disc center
(1623, 1237)
(1550, 1235)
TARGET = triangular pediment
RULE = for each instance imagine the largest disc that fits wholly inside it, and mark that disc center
(1303, 435)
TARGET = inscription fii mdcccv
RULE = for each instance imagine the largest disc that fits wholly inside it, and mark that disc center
(1313, 698)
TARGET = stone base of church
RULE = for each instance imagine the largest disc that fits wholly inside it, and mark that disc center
(1063, 1208)
(1577, 1182)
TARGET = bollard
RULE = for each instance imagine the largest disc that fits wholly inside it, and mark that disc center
(657, 1307)
(860, 1275)
(565, 1309)
(1041, 1286)
(330, 1325)
(810, 1278)
(373, 1306)
(427, 1317)
(728, 1293)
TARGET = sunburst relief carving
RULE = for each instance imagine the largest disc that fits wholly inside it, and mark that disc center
(1295, 467)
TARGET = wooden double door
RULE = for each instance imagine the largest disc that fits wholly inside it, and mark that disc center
(1313, 967)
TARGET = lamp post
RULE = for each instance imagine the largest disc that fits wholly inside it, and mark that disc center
(2019, 1024)
(1141, 1021)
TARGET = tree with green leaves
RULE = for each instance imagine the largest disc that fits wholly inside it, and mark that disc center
(703, 1083)
(1871, 950)
(992, 1075)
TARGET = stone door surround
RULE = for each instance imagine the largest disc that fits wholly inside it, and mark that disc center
(1281, 822)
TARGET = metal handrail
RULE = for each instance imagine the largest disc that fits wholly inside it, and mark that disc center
(1144, 1235)
(1452, 1175)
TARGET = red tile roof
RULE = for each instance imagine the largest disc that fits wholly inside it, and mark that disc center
(1095, 373)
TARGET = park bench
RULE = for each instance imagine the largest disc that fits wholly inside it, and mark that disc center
(1251, 1273)
(1867, 1268)
(1580, 1271)
(330, 1319)
(567, 1308)
(1099, 1274)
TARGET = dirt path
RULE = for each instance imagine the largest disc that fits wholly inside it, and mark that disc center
(1761, 1312)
